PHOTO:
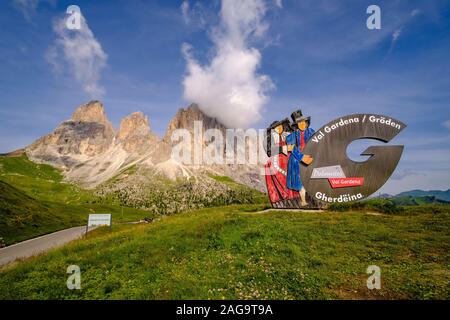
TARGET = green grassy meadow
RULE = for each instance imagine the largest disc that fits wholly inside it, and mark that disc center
(237, 252)
(34, 200)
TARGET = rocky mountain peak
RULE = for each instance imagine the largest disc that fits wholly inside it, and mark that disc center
(91, 151)
(134, 124)
(184, 119)
(193, 108)
(135, 134)
(92, 111)
(88, 133)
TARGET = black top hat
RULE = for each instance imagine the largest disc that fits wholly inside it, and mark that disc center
(285, 123)
(275, 124)
(297, 116)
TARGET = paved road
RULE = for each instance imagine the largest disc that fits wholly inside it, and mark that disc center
(38, 245)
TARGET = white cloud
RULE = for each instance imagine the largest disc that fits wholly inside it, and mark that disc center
(229, 87)
(396, 35)
(415, 12)
(197, 14)
(424, 180)
(52, 57)
(26, 7)
(81, 52)
(402, 174)
(446, 124)
(279, 3)
(185, 11)
(29, 7)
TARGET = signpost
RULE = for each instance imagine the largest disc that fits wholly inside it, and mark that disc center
(357, 180)
(316, 171)
(99, 220)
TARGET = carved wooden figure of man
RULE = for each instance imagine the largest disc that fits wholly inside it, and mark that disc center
(296, 141)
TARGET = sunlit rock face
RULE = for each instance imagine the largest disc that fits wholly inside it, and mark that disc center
(88, 133)
(135, 134)
(91, 152)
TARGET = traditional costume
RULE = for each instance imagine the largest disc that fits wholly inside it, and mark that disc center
(298, 139)
(276, 167)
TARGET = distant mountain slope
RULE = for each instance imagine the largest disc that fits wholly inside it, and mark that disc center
(438, 194)
(415, 201)
(23, 217)
(34, 201)
(134, 167)
(17, 210)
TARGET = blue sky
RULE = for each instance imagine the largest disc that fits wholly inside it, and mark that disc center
(317, 55)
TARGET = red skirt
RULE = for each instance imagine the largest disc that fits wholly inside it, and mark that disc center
(276, 179)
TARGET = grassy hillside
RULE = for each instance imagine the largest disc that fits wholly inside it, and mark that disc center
(233, 253)
(146, 188)
(34, 201)
(40, 181)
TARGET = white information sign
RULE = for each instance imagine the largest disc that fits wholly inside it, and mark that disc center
(99, 220)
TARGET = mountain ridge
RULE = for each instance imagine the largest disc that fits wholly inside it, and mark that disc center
(90, 151)
(135, 167)
(438, 194)
(417, 196)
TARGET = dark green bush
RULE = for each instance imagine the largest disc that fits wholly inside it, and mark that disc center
(377, 205)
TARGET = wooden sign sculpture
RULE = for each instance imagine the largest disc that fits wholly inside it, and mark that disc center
(308, 169)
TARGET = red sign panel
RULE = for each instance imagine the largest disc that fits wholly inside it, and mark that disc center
(345, 182)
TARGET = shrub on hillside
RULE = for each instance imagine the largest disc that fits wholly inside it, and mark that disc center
(378, 205)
